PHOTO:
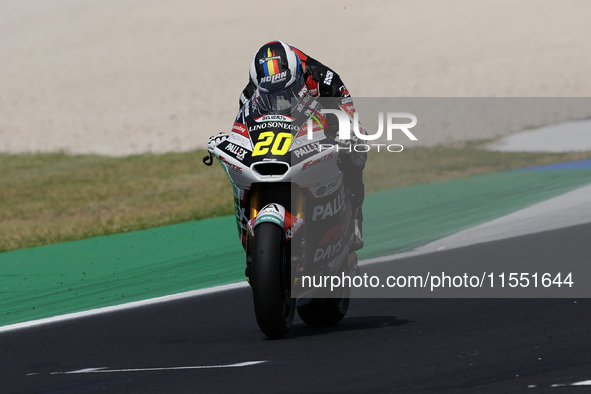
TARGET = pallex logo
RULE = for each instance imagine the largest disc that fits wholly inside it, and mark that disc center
(344, 131)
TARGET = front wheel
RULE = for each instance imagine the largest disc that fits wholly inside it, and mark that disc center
(270, 278)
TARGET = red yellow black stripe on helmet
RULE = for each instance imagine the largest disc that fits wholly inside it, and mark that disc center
(271, 66)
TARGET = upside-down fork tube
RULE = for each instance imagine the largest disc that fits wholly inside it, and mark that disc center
(288, 212)
(254, 203)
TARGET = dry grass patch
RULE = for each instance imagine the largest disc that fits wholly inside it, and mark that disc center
(440, 163)
(49, 198)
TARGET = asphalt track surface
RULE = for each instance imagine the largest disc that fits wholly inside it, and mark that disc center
(383, 345)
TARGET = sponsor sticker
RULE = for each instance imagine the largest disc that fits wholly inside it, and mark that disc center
(275, 78)
(233, 166)
(240, 140)
(274, 213)
(274, 118)
(240, 129)
(267, 59)
(311, 163)
(294, 227)
(236, 150)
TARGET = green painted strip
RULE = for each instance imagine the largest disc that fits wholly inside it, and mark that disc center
(402, 219)
(76, 276)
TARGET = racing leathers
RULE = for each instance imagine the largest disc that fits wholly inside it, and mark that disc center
(324, 82)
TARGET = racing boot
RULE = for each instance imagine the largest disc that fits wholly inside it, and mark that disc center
(352, 165)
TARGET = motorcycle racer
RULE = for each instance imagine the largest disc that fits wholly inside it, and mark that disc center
(276, 70)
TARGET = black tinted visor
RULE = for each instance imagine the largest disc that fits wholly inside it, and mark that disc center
(280, 100)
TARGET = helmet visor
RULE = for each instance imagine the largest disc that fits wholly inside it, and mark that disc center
(280, 100)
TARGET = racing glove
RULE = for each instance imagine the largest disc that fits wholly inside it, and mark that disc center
(214, 140)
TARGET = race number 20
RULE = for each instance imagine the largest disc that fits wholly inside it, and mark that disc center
(278, 143)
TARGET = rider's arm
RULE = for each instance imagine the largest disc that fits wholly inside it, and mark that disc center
(334, 94)
(330, 85)
(246, 94)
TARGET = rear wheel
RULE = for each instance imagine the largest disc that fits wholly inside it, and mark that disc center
(325, 312)
(270, 278)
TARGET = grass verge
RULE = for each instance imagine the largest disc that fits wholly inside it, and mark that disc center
(49, 198)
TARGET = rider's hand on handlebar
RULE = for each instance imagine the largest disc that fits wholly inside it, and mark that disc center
(214, 140)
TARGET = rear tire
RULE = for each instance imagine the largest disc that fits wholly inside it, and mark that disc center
(270, 279)
(324, 313)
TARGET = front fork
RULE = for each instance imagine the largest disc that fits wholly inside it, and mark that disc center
(292, 223)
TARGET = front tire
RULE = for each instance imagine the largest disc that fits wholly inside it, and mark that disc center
(270, 278)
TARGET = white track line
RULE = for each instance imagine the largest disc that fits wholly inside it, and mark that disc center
(107, 370)
(582, 383)
(130, 305)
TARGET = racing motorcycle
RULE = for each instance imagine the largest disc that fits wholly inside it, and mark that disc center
(294, 216)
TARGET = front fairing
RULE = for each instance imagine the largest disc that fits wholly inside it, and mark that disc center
(265, 147)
